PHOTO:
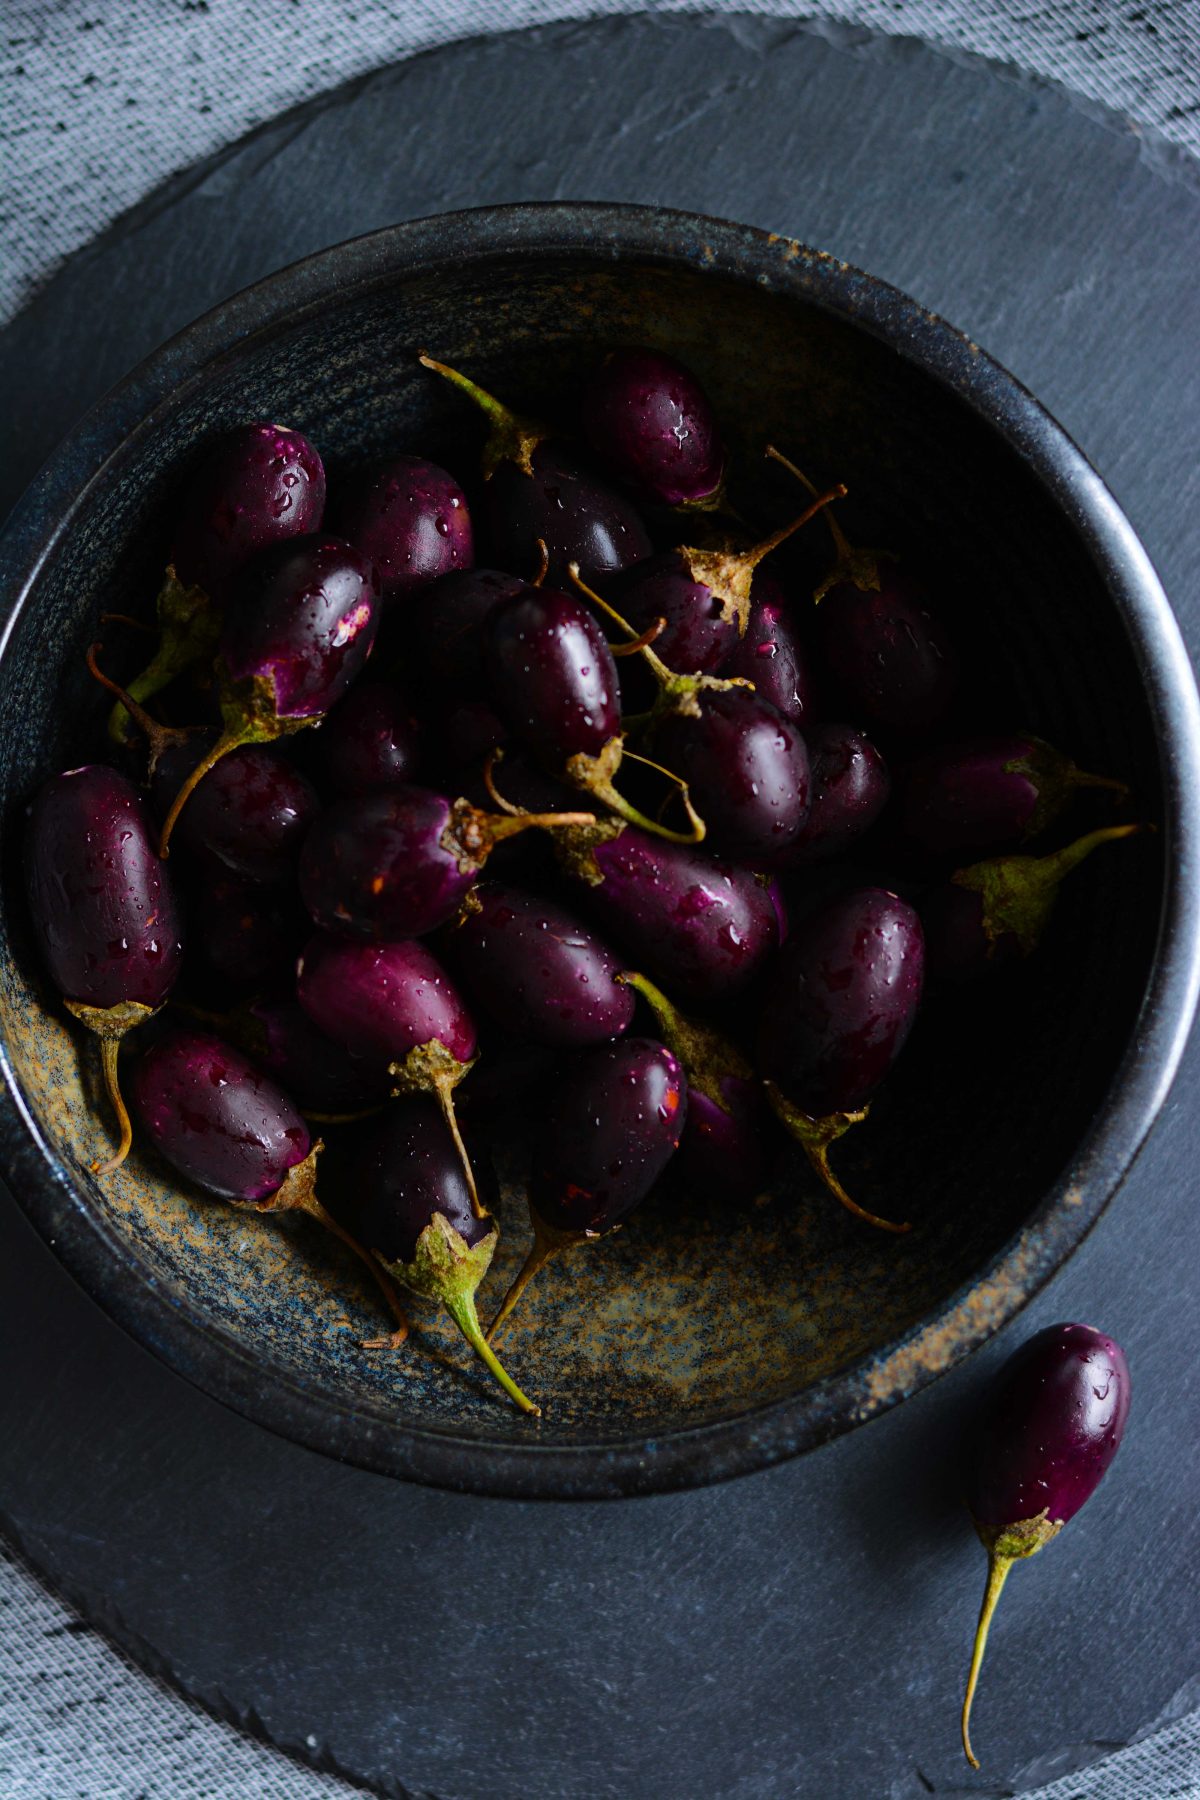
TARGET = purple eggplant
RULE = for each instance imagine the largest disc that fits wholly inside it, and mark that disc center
(395, 1004)
(370, 740)
(410, 519)
(649, 421)
(770, 656)
(103, 912)
(746, 768)
(1052, 1424)
(321, 1076)
(299, 627)
(415, 1215)
(702, 928)
(723, 1150)
(702, 598)
(226, 1126)
(537, 970)
(259, 485)
(879, 639)
(537, 494)
(399, 863)
(609, 1133)
(841, 1004)
(248, 933)
(850, 788)
(554, 683)
(997, 911)
(448, 619)
(249, 817)
(988, 794)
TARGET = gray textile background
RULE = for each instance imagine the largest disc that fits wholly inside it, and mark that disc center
(99, 103)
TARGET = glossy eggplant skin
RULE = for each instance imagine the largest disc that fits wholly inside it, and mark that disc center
(746, 767)
(319, 1074)
(448, 619)
(551, 675)
(850, 788)
(1051, 1426)
(249, 815)
(406, 1170)
(577, 517)
(259, 485)
(701, 927)
(723, 1151)
(842, 1001)
(611, 1130)
(216, 1118)
(370, 740)
(409, 518)
(888, 654)
(376, 867)
(989, 793)
(650, 422)
(302, 619)
(696, 637)
(771, 655)
(537, 970)
(101, 902)
(383, 1000)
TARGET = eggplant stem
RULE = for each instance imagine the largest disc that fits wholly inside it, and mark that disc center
(443, 1088)
(109, 1051)
(818, 1156)
(127, 619)
(841, 542)
(157, 736)
(489, 782)
(652, 659)
(640, 643)
(544, 1247)
(752, 557)
(1083, 778)
(603, 789)
(511, 823)
(461, 1307)
(307, 1202)
(1059, 863)
(229, 740)
(998, 1567)
(543, 563)
(814, 1135)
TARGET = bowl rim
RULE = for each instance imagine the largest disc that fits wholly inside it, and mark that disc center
(278, 1397)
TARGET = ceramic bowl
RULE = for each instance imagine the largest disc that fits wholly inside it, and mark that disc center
(698, 1342)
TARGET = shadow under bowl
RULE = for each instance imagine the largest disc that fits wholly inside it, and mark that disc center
(695, 1344)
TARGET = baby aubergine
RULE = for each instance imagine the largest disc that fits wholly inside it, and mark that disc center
(103, 912)
(841, 1003)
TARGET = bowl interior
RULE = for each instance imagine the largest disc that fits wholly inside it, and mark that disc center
(689, 1315)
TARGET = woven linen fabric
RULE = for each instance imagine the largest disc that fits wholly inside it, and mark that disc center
(100, 104)
(104, 101)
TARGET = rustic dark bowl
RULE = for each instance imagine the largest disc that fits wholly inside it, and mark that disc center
(690, 1347)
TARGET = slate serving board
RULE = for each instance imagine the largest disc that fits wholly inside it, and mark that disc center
(804, 1631)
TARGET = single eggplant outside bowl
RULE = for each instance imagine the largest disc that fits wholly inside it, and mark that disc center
(703, 1342)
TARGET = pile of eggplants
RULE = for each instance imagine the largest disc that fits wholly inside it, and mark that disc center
(440, 796)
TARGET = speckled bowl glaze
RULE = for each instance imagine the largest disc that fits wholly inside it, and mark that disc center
(697, 1343)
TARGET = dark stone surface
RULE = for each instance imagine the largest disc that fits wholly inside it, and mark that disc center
(803, 1631)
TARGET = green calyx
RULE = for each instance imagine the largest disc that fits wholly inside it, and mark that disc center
(511, 437)
(431, 1068)
(815, 1133)
(1019, 892)
(1005, 1545)
(1054, 778)
(708, 1058)
(728, 572)
(594, 774)
(189, 627)
(448, 1269)
(471, 834)
(576, 849)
